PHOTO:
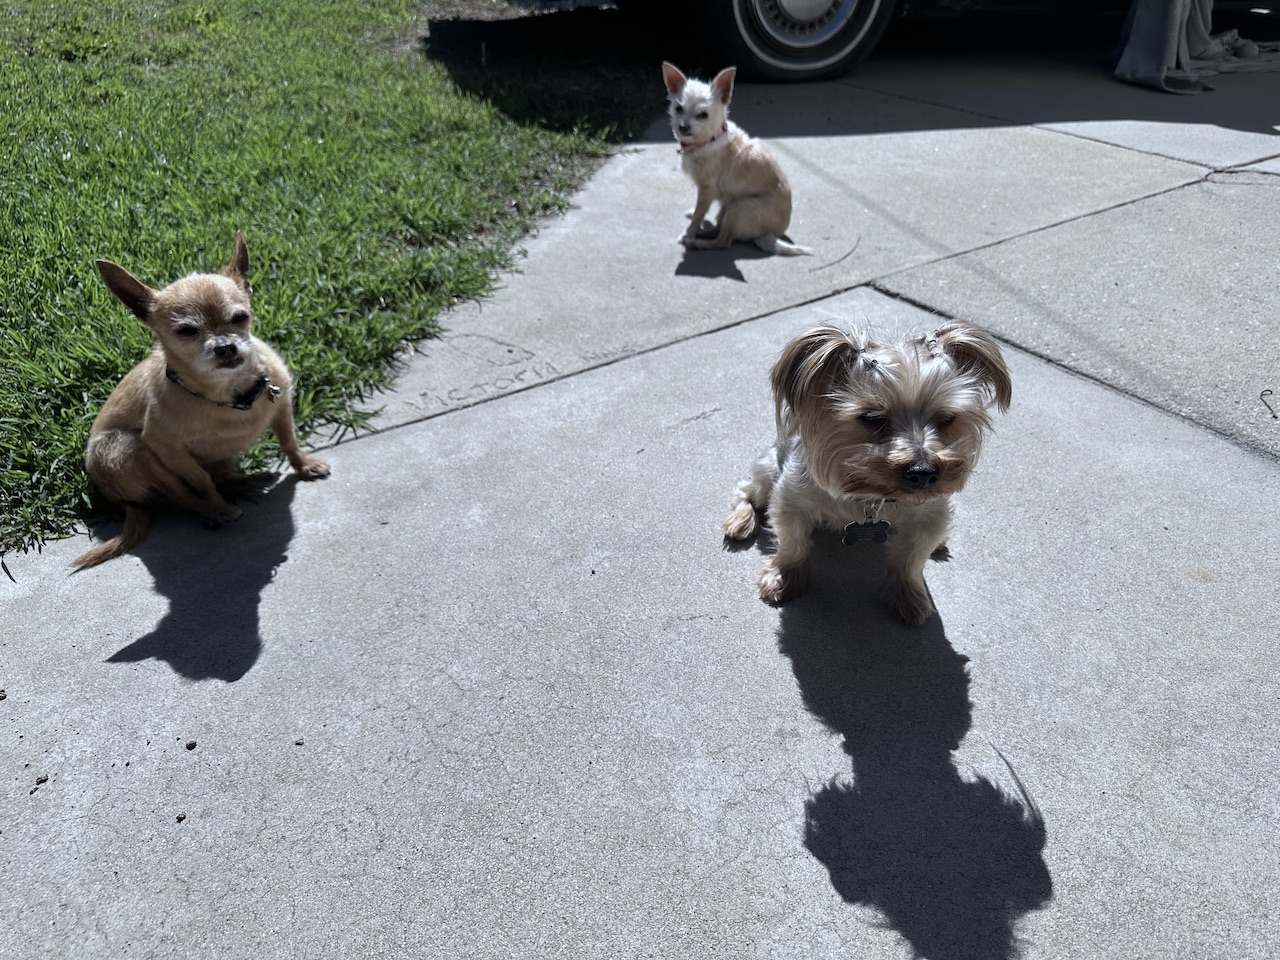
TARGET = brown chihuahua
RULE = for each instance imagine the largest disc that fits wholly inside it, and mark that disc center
(175, 426)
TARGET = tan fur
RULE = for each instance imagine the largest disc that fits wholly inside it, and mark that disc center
(728, 168)
(157, 440)
(877, 427)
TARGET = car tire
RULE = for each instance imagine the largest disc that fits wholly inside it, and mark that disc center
(796, 39)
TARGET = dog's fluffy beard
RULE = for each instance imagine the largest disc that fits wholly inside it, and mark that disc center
(871, 426)
(900, 429)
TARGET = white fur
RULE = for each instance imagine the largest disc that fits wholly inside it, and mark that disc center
(729, 169)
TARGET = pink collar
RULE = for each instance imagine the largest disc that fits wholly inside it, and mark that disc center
(690, 147)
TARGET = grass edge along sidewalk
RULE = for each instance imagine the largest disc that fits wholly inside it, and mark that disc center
(372, 187)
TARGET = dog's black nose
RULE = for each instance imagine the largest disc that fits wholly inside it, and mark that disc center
(226, 350)
(920, 476)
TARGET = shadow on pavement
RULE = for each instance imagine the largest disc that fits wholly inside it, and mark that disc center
(951, 863)
(600, 69)
(589, 68)
(718, 263)
(1056, 70)
(214, 581)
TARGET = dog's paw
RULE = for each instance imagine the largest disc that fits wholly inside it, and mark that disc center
(228, 514)
(313, 469)
(741, 524)
(233, 486)
(908, 600)
(778, 584)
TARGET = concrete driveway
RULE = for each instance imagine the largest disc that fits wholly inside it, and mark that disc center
(496, 689)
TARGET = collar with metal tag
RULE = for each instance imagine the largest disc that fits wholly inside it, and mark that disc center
(868, 531)
(871, 529)
(241, 401)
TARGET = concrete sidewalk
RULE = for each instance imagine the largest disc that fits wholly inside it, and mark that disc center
(496, 690)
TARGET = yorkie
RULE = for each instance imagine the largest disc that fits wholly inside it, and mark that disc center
(874, 436)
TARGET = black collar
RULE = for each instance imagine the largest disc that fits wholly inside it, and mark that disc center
(241, 401)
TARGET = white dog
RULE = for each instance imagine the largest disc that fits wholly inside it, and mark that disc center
(729, 167)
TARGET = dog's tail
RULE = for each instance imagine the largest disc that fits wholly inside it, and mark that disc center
(781, 246)
(137, 524)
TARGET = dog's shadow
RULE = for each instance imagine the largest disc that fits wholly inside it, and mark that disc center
(718, 263)
(214, 580)
(950, 862)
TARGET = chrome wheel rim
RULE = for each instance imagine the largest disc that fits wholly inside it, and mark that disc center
(803, 33)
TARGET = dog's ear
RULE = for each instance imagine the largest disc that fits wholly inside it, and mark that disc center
(810, 370)
(723, 84)
(673, 78)
(129, 290)
(237, 267)
(976, 351)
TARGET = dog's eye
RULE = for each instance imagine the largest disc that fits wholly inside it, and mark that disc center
(679, 109)
(186, 331)
(240, 318)
(946, 421)
(702, 114)
(873, 420)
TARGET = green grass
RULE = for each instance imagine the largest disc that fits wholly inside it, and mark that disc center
(372, 187)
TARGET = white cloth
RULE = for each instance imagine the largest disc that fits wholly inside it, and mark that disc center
(1168, 46)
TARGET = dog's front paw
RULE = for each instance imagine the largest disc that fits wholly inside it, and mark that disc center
(908, 600)
(741, 523)
(312, 469)
(780, 584)
(217, 518)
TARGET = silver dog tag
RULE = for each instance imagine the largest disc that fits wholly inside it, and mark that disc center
(868, 531)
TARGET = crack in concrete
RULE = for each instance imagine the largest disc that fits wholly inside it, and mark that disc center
(513, 386)
(1085, 375)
